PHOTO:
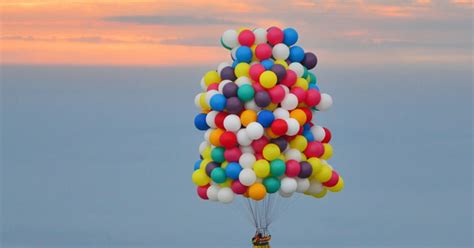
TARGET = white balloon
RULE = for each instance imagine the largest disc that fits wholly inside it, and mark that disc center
(225, 195)
(247, 160)
(252, 105)
(221, 85)
(293, 126)
(232, 123)
(290, 102)
(230, 38)
(203, 146)
(288, 185)
(212, 192)
(207, 134)
(203, 84)
(286, 89)
(242, 138)
(197, 100)
(302, 185)
(260, 35)
(325, 103)
(293, 154)
(254, 130)
(247, 177)
(247, 149)
(209, 95)
(280, 51)
(242, 80)
(281, 113)
(233, 52)
(315, 187)
(222, 66)
(285, 195)
(297, 68)
(318, 133)
(211, 119)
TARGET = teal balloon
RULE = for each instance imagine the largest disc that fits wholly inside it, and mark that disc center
(246, 92)
(218, 175)
(277, 167)
(272, 184)
(312, 78)
(305, 72)
(217, 154)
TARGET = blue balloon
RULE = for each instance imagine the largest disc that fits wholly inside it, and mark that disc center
(200, 122)
(244, 54)
(296, 54)
(235, 63)
(313, 86)
(268, 63)
(218, 102)
(197, 165)
(306, 127)
(266, 118)
(290, 36)
(233, 170)
(308, 135)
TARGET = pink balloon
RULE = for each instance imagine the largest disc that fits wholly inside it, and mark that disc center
(238, 187)
(277, 94)
(232, 154)
(263, 51)
(259, 144)
(246, 38)
(293, 168)
(313, 97)
(299, 93)
(202, 192)
(333, 180)
(290, 78)
(255, 71)
(314, 149)
(274, 35)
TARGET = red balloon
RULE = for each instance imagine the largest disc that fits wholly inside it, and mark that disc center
(327, 136)
(219, 120)
(228, 139)
(238, 188)
(202, 192)
(259, 144)
(293, 168)
(259, 156)
(309, 114)
(314, 149)
(290, 78)
(274, 35)
(213, 86)
(255, 71)
(232, 154)
(313, 97)
(263, 51)
(299, 93)
(246, 38)
(333, 180)
(279, 127)
(277, 94)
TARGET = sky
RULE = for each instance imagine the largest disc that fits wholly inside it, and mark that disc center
(98, 143)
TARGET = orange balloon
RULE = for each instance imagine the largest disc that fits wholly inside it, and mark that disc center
(269, 132)
(247, 117)
(215, 136)
(299, 115)
(257, 191)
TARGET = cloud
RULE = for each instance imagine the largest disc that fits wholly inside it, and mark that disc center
(173, 20)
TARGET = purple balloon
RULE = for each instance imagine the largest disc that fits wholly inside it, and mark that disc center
(310, 60)
(306, 170)
(262, 99)
(281, 143)
(279, 70)
(230, 90)
(228, 73)
(211, 166)
(234, 105)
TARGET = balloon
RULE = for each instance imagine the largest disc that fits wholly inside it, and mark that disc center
(293, 168)
(257, 191)
(247, 177)
(255, 71)
(230, 89)
(299, 115)
(288, 185)
(296, 54)
(225, 195)
(212, 192)
(289, 79)
(197, 164)
(260, 35)
(259, 144)
(315, 187)
(242, 138)
(263, 51)
(200, 122)
(277, 94)
(245, 93)
(218, 102)
(280, 142)
(299, 143)
(306, 170)
(261, 168)
(228, 139)
(310, 60)
(314, 149)
(234, 106)
(281, 51)
(332, 181)
(272, 184)
(290, 102)
(232, 154)
(268, 79)
(297, 68)
(242, 70)
(246, 38)
(271, 152)
(238, 187)
(281, 113)
(327, 151)
(217, 154)
(302, 184)
(200, 178)
(202, 192)
(227, 73)
(232, 123)
(262, 99)
(290, 36)
(338, 187)
(327, 136)
(229, 39)
(321, 194)
(248, 116)
(313, 97)
(233, 170)
(265, 118)
(254, 130)
(218, 175)
(324, 174)
(277, 167)
(325, 103)
(268, 63)
(211, 77)
(210, 167)
(274, 35)
(219, 120)
(247, 160)
(293, 154)
(316, 165)
(279, 127)
(244, 54)
(210, 119)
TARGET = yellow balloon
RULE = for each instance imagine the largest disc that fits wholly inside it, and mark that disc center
(327, 151)
(321, 194)
(282, 157)
(254, 58)
(299, 143)
(268, 79)
(261, 168)
(200, 177)
(227, 183)
(271, 106)
(324, 174)
(302, 83)
(224, 164)
(206, 153)
(338, 187)
(211, 77)
(203, 103)
(316, 164)
(271, 152)
(281, 62)
(242, 70)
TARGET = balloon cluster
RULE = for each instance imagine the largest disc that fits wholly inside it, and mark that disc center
(257, 116)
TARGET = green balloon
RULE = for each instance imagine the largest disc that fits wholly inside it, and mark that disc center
(218, 175)
(305, 72)
(272, 184)
(312, 78)
(277, 167)
(217, 154)
(246, 92)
